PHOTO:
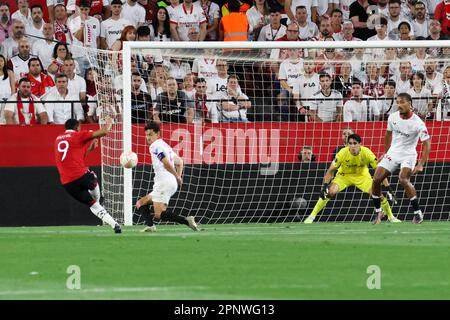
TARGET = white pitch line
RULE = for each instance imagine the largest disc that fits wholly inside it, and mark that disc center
(102, 290)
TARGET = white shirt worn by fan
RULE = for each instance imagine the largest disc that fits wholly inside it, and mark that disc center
(357, 110)
(290, 71)
(112, 29)
(186, 20)
(204, 68)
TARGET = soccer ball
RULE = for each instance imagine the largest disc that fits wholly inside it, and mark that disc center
(299, 203)
(128, 159)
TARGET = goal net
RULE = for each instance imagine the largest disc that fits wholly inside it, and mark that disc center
(258, 124)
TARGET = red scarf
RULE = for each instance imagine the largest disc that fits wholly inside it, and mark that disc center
(30, 110)
(200, 105)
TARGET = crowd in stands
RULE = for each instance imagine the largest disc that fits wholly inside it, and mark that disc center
(46, 77)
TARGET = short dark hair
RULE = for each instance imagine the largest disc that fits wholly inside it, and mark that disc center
(234, 6)
(60, 75)
(143, 31)
(35, 59)
(406, 96)
(136, 74)
(151, 125)
(85, 4)
(355, 137)
(199, 80)
(71, 124)
(24, 80)
(356, 81)
(323, 75)
(390, 83)
(36, 6)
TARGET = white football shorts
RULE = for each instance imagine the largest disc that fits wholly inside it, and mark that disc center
(393, 162)
(163, 190)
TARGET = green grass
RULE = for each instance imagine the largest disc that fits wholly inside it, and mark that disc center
(247, 261)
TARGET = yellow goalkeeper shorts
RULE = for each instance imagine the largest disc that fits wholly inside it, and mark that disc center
(362, 182)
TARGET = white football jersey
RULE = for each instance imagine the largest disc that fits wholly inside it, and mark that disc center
(306, 87)
(290, 71)
(406, 134)
(204, 68)
(157, 149)
(327, 110)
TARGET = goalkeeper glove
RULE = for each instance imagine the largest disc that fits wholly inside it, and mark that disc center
(324, 191)
(390, 194)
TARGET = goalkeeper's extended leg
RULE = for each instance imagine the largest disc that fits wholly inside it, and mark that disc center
(320, 204)
(386, 207)
(326, 193)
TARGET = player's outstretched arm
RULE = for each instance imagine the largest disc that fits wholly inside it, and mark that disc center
(104, 130)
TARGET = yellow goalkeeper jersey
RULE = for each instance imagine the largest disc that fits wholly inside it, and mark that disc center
(356, 165)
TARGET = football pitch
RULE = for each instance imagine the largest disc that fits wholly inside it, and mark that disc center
(244, 261)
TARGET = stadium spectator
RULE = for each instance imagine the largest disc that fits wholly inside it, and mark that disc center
(383, 8)
(442, 91)
(342, 81)
(218, 83)
(234, 103)
(204, 111)
(133, 12)
(19, 63)
(422, 102)
(307, 29)
(141, 102)
(329, 60)
(345, 133)
(304, 89)
(325, 29)
(151, 8)
(389, 64)
(374, 82)
(11, 45)
(23, 107)
(179, 69)
(432, 77)
(160, 27)
(86, 33)
(258, 16)
(7, 80)
(440, 14)
(336, 20)
(289, 73)
(402, 78)
(381, 29)
(344, 5)
(306, 155)
(188, 86)
(273, 31)
(387, 104)
(212, 13)
(60, 106)
(171, 8)
(327, 103)
(234, 26)
(35, 29)
(69, 7)
(24, 12)
(421, 21)
(434, 31)
(395, 19)
(346, 34)
(60, 53)
(76, 84)
(43, 48)
(41, 83)
(5, 22)
(128, 34)
(359, 17)
(187, 16)
(359, 61)
(60, 24)
(100, 9)
(157, 81)
(173, 105)
(290, 7)
(204, 66)
(111, 28)
(360, 107)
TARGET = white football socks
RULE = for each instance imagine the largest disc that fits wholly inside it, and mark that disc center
(101, 212)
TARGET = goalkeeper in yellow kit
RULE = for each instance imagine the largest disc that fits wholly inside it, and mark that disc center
(351, 164)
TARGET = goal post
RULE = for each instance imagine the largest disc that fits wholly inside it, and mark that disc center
(250, 171)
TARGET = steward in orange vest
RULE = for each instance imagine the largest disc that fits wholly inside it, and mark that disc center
(234, 27)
